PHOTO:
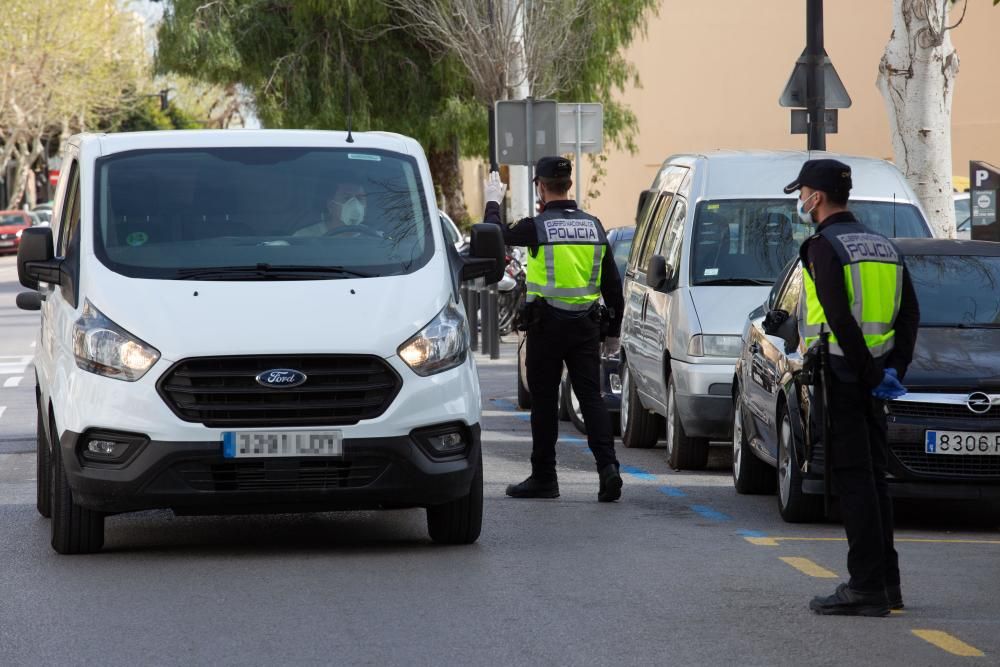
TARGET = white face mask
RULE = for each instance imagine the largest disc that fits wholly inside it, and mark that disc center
(800, 208)
(352, 212)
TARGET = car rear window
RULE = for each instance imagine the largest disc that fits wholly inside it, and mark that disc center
(956, 290)
(169, 213)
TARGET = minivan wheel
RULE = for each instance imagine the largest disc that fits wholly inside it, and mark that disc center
(460, 521)
(640, 427)
(683, 453)
(793, 505)
(43, 470)
(750, 474)
(75, 529)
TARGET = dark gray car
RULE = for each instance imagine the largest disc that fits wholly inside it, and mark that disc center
(944, 435)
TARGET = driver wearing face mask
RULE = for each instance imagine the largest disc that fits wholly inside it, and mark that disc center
(344, 210)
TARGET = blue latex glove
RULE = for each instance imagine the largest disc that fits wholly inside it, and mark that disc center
(890, 387)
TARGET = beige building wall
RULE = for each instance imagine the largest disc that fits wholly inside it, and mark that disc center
(712, 71)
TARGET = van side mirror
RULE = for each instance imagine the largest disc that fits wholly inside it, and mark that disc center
(35, 258)
(659, 275)
(486, 254)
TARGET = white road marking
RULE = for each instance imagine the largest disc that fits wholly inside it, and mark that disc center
(10, 367)
(13, 381)
(3, 409)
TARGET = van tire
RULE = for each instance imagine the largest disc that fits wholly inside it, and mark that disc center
(750, 474)
(683, 452)
(793, 505)
(75, 529)
(459, 521)
(640, 428)
(43, 470)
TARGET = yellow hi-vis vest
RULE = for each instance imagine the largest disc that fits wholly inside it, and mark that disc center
(565, 269)
(873, 276)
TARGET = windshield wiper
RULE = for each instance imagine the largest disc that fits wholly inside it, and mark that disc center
(264, 270)
(734, 281)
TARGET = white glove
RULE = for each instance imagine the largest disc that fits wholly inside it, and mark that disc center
(494, 188)
(611, 347)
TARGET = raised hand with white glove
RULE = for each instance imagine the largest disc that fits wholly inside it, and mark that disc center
(494, 188)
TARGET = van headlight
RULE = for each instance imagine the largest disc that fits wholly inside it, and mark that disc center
(439, 346)
(715, 346)
(104, 348)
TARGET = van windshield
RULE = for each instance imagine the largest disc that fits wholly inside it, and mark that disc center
(749, 241)
(261, 213)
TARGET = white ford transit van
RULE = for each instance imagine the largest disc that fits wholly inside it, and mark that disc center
(252, 321)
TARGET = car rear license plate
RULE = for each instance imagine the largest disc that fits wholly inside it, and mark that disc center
(962, 442)
(272, 444)
(6, 244)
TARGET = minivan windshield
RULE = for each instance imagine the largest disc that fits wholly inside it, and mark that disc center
(749, 241)
(261, 213)
(956, 290)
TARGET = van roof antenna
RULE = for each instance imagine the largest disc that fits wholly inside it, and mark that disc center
(347, 71)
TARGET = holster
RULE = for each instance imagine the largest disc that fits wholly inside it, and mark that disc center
(529, 313)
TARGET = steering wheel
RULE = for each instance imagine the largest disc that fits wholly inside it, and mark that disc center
(351, 229)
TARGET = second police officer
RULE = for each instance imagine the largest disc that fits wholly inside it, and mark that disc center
(570, 267)
(856, 287)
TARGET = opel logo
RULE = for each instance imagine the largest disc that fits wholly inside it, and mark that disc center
(281, 378)
(979, 402)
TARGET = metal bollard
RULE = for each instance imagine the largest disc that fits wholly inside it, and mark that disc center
(485, 318)
(494, 331)
(474, 315)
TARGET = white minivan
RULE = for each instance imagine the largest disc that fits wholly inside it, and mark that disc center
(252, 321)
(713, 233)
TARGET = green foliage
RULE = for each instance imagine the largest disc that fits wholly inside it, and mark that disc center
(147, 116)
(297, 59)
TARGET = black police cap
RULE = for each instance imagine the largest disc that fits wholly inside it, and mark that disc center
(553, 167)
(826, 175)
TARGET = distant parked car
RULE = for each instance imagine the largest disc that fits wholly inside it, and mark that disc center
(620, 239)
(963, 216)
(944, 434)
(12, 223)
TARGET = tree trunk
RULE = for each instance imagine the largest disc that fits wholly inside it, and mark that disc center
(447, 173)
(917, 80)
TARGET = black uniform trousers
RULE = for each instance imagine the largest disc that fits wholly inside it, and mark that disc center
(558, 337)
(860, 457)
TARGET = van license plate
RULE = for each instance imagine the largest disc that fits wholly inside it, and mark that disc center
(271, 444)
(962, 443)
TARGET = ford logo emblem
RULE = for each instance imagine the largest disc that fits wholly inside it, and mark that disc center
(281, 378)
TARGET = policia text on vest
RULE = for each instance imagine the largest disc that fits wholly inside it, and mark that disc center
(570, 269)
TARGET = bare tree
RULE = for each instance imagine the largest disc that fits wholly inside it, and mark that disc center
(917, 81)
(504, 43)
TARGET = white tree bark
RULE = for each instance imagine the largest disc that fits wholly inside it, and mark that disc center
(917, 80)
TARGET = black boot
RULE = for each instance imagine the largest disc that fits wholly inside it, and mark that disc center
(610, 489)
(849, 602)
(534, 488)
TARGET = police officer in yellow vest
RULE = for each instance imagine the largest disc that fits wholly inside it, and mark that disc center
(856, 287)
(570, 268)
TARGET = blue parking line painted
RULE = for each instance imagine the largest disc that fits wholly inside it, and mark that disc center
(672, 492)
(750, 533)
(637, 472)
(710, 513)
(571, 438)
(504, 404)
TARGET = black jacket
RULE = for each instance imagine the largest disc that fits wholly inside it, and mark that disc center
(523, 233)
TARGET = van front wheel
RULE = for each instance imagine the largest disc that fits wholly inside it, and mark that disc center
(43, 470)
(683, 452)
(460, 521)
(75, 529)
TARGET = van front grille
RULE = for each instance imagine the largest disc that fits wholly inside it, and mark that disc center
(281, 475)
(223, 392)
